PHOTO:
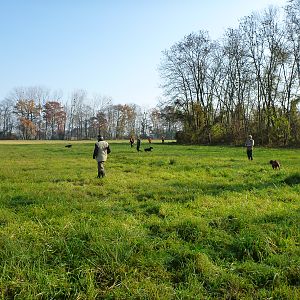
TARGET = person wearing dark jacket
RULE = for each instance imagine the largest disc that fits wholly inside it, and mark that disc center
(100, 154)
(131, 141)
(138, 144)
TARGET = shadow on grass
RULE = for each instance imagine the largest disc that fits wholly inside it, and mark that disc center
(292, 179)
(19, 201)
(216, 189)
(186, 192)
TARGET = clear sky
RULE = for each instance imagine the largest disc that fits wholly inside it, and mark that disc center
(107, 47)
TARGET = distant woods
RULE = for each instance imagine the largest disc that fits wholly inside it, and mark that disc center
(37, 113)
(215, 91)
(245, 83)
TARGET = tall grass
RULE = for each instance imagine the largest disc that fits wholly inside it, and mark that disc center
(181, 222)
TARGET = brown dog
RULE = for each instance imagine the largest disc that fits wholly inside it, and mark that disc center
(275, 164)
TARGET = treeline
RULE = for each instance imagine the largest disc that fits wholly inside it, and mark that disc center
(245, 83)
(215, 91)
(38, 113)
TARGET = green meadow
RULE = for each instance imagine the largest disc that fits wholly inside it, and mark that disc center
(180, 222)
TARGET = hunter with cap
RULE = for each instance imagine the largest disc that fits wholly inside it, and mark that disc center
(100, 154)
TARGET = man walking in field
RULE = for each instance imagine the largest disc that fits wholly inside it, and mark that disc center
(249, 144)
(100, 154)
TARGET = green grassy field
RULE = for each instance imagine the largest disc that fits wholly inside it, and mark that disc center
(181, 222)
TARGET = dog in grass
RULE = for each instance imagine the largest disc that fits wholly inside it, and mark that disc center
(148, 149)
(275, 164)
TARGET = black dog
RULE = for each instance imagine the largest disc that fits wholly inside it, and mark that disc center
(275, 164)
(148, 149)
(68, 146)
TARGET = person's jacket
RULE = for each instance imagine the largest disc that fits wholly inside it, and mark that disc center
(249, 144)
(101, 150)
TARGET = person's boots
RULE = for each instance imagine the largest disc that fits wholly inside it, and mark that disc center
(101, 174)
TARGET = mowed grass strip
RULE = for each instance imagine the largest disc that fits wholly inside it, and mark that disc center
(180, 222)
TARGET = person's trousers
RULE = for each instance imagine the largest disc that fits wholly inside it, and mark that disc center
(249, 154)
(101, 171)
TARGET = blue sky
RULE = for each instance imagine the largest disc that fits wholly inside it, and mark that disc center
(107, 47)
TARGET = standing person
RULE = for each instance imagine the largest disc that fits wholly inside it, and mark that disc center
(138, 144)
(249, 144)
(149, 139)
(100, 154)
(131, 141)
(162, 139)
